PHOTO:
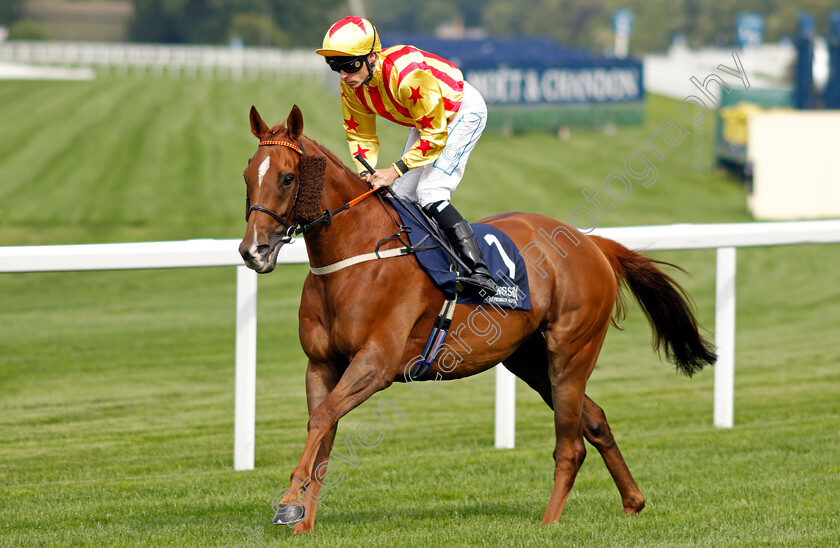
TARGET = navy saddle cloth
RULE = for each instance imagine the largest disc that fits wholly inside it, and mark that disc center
(503, 259)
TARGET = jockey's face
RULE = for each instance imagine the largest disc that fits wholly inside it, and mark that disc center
(356, 79)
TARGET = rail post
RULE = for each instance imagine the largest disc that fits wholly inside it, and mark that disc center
(505, 408)
(245, 401)
(725, 338)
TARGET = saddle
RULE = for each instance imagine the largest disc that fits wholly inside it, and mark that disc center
(504, 261)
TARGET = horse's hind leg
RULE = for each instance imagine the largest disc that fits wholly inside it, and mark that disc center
(597, 432)
(568, 371)
(530, 363)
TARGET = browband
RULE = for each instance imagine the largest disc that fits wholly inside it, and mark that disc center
(283, 143)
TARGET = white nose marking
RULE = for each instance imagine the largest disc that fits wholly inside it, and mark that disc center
(263, 170)
(253, 250)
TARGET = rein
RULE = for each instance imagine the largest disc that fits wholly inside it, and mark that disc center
(327, 216)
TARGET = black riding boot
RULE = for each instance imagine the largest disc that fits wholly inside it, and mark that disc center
(461, 236)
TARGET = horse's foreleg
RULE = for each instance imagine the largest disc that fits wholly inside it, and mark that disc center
(321, 379)
(365, 376)
(598, 433)
(312, 494)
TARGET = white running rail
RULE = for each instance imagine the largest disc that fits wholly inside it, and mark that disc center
(188, 60)
(198, 253)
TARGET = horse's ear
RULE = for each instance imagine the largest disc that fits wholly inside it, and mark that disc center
(258, 127)
(294, 123)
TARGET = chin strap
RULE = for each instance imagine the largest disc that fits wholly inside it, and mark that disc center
(370, 72)
(367, 63)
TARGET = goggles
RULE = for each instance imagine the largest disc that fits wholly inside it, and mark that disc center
(349, 65)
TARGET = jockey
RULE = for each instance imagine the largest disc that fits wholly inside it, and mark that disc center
(427, 94)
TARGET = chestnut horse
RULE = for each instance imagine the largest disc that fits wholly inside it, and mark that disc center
(360, 326)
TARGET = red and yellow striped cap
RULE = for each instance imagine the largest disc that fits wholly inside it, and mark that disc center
(351, 36)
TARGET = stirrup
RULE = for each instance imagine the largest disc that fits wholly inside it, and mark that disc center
(481, 286)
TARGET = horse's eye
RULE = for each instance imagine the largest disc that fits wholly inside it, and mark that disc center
(288, 179)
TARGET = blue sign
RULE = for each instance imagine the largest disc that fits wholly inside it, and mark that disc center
(558, 85)
(806, 23)
(749, 29)
(832, 87)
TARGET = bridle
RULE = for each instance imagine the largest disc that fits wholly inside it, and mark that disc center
(294, 228)
(289, 226)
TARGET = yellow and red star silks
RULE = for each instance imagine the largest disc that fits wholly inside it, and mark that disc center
(413, 88)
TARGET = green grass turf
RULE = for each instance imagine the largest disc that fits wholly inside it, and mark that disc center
(116, 388)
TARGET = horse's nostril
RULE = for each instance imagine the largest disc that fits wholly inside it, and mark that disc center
(262, 250)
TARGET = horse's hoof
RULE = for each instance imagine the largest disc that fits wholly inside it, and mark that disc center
(634, 507)
(288, 514)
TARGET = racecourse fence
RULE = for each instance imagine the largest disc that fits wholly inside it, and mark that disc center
(175, 60)
(201, 253)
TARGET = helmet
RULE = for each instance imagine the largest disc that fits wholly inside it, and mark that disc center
(350, 37)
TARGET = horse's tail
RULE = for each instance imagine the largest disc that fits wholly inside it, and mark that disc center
(666, 305)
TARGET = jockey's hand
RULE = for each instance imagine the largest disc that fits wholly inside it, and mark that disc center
(382, 178)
